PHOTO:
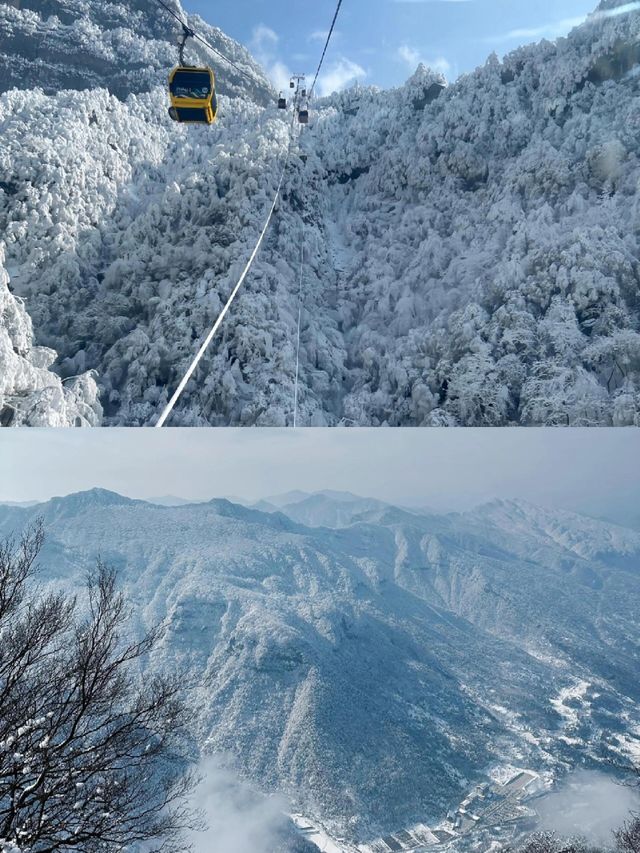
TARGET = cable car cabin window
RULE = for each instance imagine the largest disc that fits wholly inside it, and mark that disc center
(192, 114)
(191, 84)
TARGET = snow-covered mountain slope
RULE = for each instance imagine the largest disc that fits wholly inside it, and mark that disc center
(492, 273)
(119, 177)
(322, 509)
(470, 253)
(30, 393)
(122, 47)
(374, 672)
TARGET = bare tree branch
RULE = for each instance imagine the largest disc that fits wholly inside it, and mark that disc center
(91, 756)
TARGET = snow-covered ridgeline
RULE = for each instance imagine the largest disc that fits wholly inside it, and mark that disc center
(493, 275)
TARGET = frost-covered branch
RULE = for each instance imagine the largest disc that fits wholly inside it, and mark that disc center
(91, 756)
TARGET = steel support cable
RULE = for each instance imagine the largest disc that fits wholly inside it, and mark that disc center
(295, 393)
(185, 379)
(324, 52)
(194, 34)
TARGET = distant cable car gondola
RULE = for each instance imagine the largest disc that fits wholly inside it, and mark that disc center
(303, 116)
(192, 90)
(282, 102)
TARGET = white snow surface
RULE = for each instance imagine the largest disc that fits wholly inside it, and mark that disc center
(470, 254)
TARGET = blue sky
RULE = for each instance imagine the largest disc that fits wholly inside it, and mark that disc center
(382, 41)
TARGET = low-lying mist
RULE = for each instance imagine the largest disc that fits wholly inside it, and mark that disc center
(237, 818)
(589, 805)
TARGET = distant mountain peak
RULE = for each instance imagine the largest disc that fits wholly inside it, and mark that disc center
(226, 509)
(93, 497)
(280, 500)
(348, 497)
(173, 500)
(605, 5)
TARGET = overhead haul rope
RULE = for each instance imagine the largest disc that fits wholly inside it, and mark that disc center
(295, 393)
(193, 34)
(217, 324)
(324, 52)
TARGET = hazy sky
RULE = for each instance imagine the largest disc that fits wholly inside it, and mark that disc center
(593, 470)
(382, 41)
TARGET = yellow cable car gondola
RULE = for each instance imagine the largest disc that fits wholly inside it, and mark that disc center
(192, 90)
(193, 95)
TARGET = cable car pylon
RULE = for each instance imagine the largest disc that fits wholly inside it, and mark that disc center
(299, 81)
(300, 98)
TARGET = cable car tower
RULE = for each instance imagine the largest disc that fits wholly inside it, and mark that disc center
(303, 100)
(300, 98)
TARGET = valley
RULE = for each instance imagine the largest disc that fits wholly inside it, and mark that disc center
(349, 667)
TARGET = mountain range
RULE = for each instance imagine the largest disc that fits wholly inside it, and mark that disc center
(374, 671)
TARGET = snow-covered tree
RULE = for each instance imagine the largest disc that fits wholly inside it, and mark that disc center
(91, 757)
(628, 838)
(31, 394)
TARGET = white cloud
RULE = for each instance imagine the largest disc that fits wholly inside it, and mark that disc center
(339, 75)
(264, 36)
(409, 55)
(279, 74)
(551, 31)
(237, 818)
(590, 804)
(560, 28)
(412, 57)
(264, 44)
(319, 35)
